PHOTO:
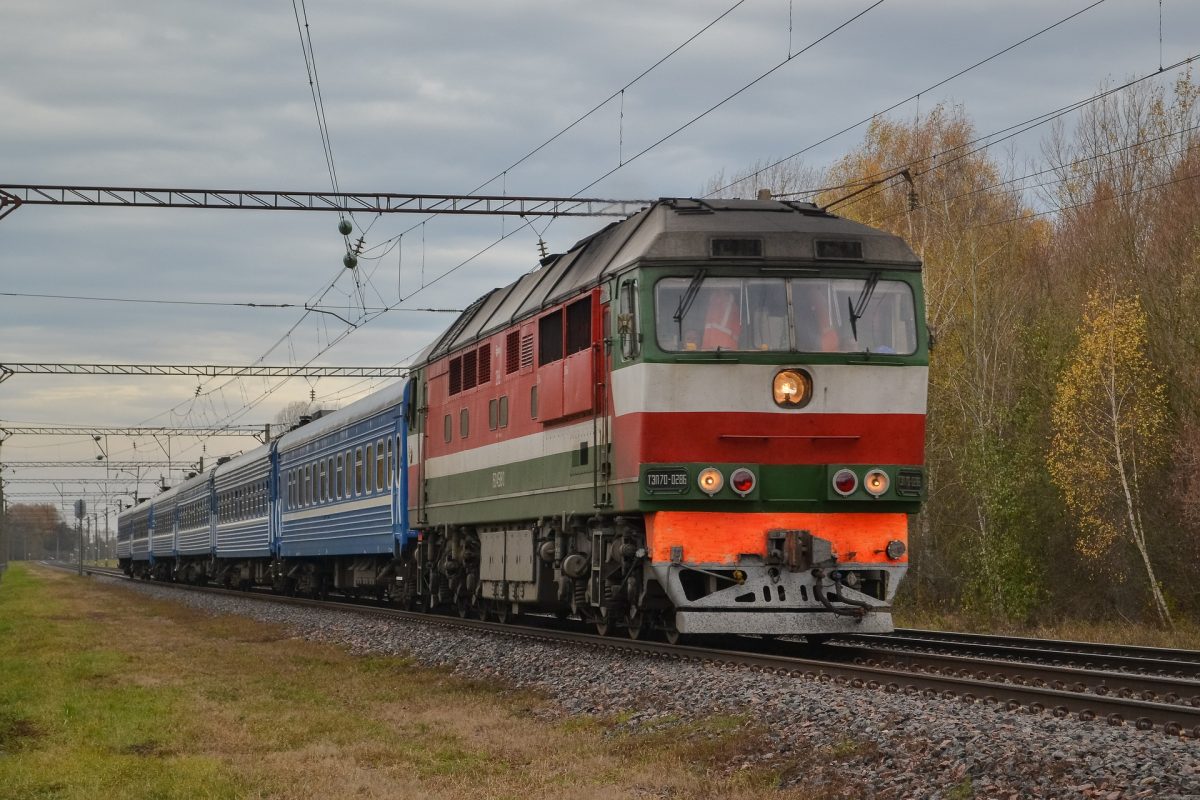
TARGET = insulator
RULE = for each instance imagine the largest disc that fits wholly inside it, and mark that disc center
(543, 250)
(358, 246)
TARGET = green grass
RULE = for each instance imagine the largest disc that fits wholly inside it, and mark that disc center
(107, 694)
(75, 723)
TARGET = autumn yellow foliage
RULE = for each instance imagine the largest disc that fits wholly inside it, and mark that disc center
(1110, 426)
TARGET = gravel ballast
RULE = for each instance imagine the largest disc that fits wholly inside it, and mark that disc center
(846, 742)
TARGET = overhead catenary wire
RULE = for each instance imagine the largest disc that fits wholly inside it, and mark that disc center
(1075, 163)
(736, 93)
(314, 86)
(1084, 203)
(997, 137)
(619, 93)
(502, 174)
(899, 103)
(961, 72)
(713, 108)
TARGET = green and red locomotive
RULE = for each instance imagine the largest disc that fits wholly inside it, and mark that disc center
(706, 418)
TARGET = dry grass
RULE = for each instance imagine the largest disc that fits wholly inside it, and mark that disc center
(106, 693)
(1186, 634)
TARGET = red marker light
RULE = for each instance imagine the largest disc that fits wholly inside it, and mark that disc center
(845, 482)
(742, 481)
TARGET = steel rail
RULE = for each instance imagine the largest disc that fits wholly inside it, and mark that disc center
(1164, 688)
(1098, 648)
(1030, 652)
(1168, 718)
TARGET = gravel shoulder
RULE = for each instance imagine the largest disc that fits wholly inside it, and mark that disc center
(834, 741)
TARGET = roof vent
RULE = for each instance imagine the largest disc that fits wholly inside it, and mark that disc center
(839, 250)
(737, 248)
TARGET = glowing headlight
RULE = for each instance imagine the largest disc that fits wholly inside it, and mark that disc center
(845, 482)
(792, 388)
(876, 482)
(710, 480)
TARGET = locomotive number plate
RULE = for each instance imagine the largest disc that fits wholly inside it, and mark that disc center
(666, 481)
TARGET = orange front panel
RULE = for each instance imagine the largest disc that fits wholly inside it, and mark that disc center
(720, 537)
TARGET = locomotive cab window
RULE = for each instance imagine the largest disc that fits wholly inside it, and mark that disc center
(807, 315)
(627, 320)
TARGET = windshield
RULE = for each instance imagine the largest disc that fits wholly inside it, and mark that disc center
(808, 315)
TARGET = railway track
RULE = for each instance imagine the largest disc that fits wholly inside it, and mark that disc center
(1090, 655)
(1150, 701)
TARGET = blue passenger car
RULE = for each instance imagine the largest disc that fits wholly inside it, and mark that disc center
(342, 519)
(322, 507)
(194, 539)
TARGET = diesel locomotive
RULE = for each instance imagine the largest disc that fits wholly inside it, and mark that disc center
(706, 418)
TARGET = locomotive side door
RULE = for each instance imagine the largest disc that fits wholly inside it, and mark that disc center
(601, 419)
(418, 419)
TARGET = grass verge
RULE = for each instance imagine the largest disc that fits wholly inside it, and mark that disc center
(106, 693)
(1186, 634)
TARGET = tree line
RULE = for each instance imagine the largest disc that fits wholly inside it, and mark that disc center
(1063, 434)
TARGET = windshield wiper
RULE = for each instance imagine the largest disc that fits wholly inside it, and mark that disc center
(689, 297)
(858, 308)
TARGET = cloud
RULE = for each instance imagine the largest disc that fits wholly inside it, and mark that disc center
(430, 97)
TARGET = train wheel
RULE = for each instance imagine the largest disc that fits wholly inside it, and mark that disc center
(462, 604)
(638, 625)
(670, 631)
(603, 622)
(503, 610)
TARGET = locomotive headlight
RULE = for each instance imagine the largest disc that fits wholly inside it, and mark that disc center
(792, 388)
(876, 482)
(845, 482)
(710, 480)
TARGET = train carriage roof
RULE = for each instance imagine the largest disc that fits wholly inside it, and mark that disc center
(374, 403)
(669, 230)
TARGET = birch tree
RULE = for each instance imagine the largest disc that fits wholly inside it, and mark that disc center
(1110, 429)
(957, 214)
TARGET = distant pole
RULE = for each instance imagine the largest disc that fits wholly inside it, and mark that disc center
(80, 513)
(5, 545)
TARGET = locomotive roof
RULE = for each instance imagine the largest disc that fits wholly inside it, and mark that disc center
(671, 230)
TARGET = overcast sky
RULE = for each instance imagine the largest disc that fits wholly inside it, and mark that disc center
(432, 97)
